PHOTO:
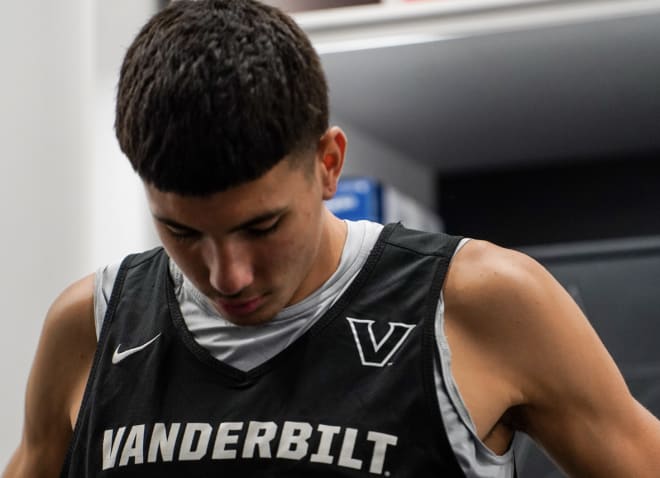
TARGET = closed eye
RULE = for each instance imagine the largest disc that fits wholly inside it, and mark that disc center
(182, 234)
(264, 230)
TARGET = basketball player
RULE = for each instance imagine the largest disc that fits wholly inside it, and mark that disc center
(269, 338)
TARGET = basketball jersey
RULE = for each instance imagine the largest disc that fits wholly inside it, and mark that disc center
(135, 444)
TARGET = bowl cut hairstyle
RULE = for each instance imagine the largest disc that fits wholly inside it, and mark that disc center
(214, 93)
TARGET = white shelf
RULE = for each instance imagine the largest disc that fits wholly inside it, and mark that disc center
(400, 23)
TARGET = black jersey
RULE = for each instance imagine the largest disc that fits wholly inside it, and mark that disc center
(353, 397)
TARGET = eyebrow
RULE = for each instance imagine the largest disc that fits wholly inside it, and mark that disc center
(266, 216)
(244, 225)
(170, 222)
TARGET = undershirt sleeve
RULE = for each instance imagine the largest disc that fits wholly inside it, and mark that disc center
(104, 280)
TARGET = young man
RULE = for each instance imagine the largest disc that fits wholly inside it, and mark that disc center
(268, 337)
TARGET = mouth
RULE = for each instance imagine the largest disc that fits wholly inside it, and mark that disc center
(240, 307)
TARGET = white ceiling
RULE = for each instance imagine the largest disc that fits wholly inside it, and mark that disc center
(587, 88)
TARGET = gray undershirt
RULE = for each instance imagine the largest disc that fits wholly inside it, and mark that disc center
(245, 347)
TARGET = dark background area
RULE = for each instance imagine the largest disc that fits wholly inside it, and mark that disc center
(572, 201)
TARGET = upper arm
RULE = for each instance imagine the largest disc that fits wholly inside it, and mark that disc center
(558, 382)
(56, 383)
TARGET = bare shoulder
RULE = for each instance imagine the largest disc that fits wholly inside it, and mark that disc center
(525, 322)
(57, 380)
(482, 272)
(71, 309)
(68, 342)
(502, 295)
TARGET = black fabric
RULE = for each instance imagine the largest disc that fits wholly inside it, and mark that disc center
(353, 397)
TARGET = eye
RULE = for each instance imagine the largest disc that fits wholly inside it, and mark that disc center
(265, 230)
(182, 235)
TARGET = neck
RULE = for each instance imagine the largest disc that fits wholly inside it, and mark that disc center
(336, 239)
(328, 256)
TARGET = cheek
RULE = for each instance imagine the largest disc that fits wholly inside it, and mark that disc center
(284, 255)
(188, 260)
(279, 255)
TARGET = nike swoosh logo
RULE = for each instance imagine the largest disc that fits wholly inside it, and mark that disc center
(119, 356)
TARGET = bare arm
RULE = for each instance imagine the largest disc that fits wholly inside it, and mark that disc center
(56, 383)
(544, 369)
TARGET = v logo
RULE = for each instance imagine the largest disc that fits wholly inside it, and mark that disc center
(376, 353)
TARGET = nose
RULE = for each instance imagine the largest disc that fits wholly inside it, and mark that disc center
(229, 267)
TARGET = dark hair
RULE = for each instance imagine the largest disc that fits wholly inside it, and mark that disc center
(214, 93)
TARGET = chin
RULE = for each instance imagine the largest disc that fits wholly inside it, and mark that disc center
(247, 321)
(262, 315)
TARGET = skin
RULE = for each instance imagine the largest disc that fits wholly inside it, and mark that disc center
(523, 355)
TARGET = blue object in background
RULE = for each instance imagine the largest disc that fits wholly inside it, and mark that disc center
(362, 197)
(357, 198)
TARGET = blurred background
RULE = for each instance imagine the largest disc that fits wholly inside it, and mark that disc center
(533, 124)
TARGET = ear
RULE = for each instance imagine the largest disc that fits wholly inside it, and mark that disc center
(331, 152)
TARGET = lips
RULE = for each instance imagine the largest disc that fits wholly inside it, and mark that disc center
(240, 308)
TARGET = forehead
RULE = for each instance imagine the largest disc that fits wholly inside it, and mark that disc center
(278, 189)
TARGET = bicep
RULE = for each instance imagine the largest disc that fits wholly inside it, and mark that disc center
(56, 382)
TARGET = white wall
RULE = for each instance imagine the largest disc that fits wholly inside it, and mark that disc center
(120, 223)
(68, 200)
